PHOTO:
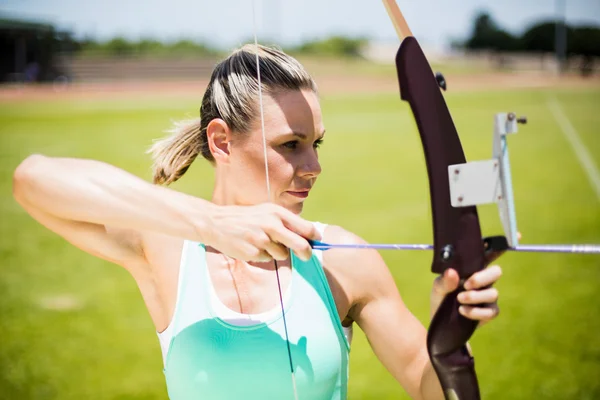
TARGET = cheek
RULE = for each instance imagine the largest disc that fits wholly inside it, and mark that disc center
(250, 169)
(281, 170)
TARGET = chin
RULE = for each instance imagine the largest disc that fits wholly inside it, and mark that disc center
(296, 208)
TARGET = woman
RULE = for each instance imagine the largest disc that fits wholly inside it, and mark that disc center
(216, 275)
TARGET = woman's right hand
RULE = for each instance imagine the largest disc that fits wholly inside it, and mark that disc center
(260, 233)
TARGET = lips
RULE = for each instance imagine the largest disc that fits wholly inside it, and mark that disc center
(299, 193)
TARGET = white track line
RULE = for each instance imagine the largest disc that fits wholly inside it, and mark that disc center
(586, 161)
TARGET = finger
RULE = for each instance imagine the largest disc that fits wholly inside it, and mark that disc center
(447, 282)
(290, 240)
(277, 251)
(483, 314)
(299, 225)
(255, 254)
(263, 257)
(484, 296)
(483, 278)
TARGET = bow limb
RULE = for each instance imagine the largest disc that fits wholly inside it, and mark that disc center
(402, 28)
(457, 235)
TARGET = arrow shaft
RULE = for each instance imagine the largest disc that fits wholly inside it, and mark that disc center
(559, 248)
(380, 246)
(542, 248)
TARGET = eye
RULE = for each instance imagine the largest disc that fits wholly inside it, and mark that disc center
(291, 145)
(318, 143)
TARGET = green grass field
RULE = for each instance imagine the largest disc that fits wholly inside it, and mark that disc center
(73, 327)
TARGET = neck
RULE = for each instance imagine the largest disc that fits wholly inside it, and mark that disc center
(223, 194)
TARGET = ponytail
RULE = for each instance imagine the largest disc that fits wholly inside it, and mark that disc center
(174, 154)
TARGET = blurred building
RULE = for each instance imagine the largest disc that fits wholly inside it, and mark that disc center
(32, 52)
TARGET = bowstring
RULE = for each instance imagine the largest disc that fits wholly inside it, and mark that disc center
(264, 139)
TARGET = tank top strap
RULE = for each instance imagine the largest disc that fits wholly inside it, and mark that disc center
(191, 305)
(321, 229)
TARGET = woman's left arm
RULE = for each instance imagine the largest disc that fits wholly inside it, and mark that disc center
(396, 336)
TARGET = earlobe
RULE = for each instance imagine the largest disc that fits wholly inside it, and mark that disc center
(218, 136)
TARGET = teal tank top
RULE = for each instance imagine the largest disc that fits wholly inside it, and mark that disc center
(212, 358)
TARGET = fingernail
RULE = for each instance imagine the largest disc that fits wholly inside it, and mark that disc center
(462, 310)
(461, 297)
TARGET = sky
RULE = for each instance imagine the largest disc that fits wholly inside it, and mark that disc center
(227, 23)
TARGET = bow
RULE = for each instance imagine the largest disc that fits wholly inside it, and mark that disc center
(456, 187)
(457, 234)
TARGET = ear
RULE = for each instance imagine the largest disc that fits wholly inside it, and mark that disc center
(218, 136)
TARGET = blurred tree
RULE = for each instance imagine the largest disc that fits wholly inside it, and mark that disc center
(119, 47)
(585, 42)
(487, 36)
(149, 46)
(582, 42)
(541, 37)
(333, 46)
(188, 47)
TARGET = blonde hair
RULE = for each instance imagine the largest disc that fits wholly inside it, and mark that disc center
(231, 95)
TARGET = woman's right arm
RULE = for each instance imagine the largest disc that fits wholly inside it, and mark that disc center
(103, 210)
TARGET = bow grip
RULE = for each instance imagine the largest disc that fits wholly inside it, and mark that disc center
(446, 343)
(449, 332)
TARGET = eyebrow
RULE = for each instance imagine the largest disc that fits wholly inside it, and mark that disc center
(303, 135)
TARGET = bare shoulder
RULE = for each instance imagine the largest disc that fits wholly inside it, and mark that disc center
(361, 274)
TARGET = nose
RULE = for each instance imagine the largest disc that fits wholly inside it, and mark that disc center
(310, 167)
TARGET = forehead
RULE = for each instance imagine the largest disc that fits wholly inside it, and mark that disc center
(293, 110)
